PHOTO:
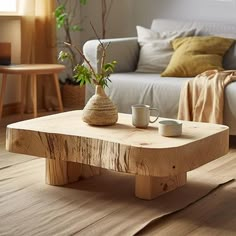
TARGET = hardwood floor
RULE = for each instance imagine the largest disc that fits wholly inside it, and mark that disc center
(214, 214)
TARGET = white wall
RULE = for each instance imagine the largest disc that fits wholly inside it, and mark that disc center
(126, 14)
(120, 21)
(207, 10)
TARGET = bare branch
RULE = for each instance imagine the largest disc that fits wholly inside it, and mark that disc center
(96, 34)
(108, 11)
(103, 47)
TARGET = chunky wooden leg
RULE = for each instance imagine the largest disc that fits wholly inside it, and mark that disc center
(62, 172)
(88, 171)
(149, 187)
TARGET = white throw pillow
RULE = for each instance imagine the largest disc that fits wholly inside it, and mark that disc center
(156, 49)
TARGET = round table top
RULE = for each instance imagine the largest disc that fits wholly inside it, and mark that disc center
(32, 69)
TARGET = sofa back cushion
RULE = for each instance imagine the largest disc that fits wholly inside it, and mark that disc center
(203, 28)
(156, 49)
(194, 55)
(226, 30)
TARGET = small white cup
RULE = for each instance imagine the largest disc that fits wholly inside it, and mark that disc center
(170, 128)
(141, 115)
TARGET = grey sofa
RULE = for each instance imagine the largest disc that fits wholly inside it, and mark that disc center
(129, 87)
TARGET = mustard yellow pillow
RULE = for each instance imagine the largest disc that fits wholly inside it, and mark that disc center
(194, 55)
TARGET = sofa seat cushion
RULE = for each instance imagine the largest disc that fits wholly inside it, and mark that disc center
(152, 89)
(163, 93)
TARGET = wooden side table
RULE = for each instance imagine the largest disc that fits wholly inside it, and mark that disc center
(33, 70)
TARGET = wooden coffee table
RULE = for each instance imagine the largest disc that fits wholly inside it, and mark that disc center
(73, 149)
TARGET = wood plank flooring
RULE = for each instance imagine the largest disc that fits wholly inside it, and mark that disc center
(214, 214)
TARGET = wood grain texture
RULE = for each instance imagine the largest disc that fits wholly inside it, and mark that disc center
(62, 172)
(160, 163)
(211, 215)
(56, 172)
(121, 147)
(149, 187)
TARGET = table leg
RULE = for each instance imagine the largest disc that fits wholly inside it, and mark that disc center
(23, 93)
(58, 92)
(150, 187)
(3, 89)
(64, 172)
(34, 93)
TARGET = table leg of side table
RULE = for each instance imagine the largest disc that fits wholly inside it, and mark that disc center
(34, 94)
(23, 93)
(150, 187)
(65, 172)
(58, 92)
(2, 93)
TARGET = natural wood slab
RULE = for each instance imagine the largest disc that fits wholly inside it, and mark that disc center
(149, 187)
(62, 172)
(121, 147)
(156, 160)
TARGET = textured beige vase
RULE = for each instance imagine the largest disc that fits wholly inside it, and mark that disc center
(100, 110)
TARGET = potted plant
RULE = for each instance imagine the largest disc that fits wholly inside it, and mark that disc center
(99, 110)
(65, 16)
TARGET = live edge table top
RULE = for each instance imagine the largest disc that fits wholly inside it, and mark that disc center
(120, 147)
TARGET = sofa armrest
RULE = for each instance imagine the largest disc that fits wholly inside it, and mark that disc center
(123, 50)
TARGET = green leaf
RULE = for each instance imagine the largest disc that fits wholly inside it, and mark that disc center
(82, 75)
(60, 10)
(61, 16)
(75, 28)
(62, 56)
(83, 2)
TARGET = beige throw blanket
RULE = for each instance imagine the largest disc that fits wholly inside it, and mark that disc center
(202, 98)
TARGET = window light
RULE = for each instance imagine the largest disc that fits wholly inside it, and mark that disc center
(8, 6)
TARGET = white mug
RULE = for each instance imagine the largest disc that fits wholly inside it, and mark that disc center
(141, 115)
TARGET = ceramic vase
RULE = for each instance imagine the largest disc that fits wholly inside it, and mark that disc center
(100, 110)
